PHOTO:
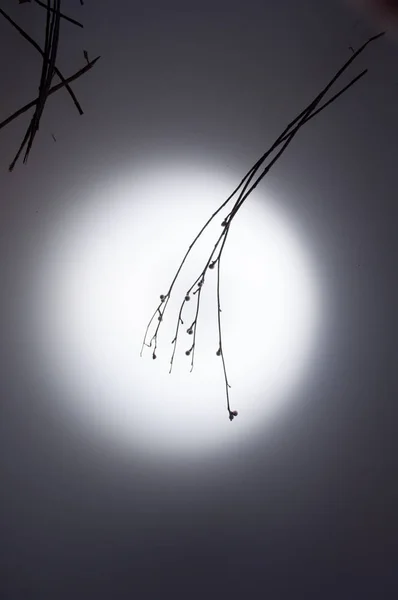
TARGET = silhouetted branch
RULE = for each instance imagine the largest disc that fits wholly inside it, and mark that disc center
(51, 91)
(49, 69)
(73, 21)
(45, 58)
(245, 188)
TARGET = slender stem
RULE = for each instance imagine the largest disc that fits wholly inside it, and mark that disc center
(220, 346)
(48, 68)
(245, 188)
(195, 328)
(175, 339)
(36, 45)
(51, 91)
(73, 21)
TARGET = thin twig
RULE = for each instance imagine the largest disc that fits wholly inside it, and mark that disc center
(220, 351)
(36, 45)
(174, 340)
(48, 68)
(245, 188)
(73, 21)
(194, 325)
(199, 282)
(51, 91)
(244, 182)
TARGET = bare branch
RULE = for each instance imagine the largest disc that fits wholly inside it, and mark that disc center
(220, 351)
(36, 45)
(48, 69)
(244, 189)
(51, 91)
(73, 21)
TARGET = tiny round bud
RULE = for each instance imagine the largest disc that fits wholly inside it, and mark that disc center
(212, 265)
(235, 413)
(160, 318)
(154, 356)
(162, 297)
(223, 224)
(187, 298)
(190, 331)
(187, 352)
(218, 352)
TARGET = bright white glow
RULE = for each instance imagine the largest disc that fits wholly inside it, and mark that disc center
(112, 258)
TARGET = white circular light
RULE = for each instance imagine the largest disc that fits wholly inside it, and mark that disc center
(110, 261)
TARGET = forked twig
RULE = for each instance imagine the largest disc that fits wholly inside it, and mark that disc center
(245, 188)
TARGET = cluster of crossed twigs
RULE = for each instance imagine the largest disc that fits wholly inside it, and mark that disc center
(243, 190)
(54, 16)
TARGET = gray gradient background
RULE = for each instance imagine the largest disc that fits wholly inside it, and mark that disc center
(310, 510)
